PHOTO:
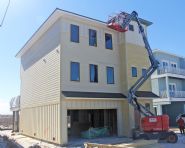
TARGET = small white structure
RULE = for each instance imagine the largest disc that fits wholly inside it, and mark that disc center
(15, 108)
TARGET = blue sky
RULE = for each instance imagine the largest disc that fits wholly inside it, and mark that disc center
(24, 17)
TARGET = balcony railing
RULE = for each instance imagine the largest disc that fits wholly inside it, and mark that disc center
(172, 94)
(171, 70)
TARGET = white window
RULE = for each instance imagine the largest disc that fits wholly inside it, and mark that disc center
(172, 87)
(165, 63)
(173, 65)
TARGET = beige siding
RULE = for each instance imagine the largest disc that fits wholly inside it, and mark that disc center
(85, 55)
(43, 121)
(123, 63)
(40, 87)
(137, 57)
(134, 37)
(40, 70)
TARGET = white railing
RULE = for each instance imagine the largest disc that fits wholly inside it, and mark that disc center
(179, 71)
(172, 94)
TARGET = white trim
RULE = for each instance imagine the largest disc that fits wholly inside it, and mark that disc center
(161, 101)
(167, 75)
(177, 99)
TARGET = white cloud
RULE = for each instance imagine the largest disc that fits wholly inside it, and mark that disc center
(4, 107)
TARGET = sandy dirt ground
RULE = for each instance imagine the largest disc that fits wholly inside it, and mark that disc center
(25, 141)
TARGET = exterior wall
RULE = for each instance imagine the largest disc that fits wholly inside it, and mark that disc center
(162, 84)
(40, 70)
(41, 122)
(72, 52)
(178, 83)
(40, 87)
(182, 63)
(168, 58)
(155, 86)
(136, 56)
(134, 37)
(120, 56)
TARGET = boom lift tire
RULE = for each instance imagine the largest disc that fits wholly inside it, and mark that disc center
(172, 137)
(169, 137)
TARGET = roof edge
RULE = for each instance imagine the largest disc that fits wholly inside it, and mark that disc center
(18, 55)
(168, 53)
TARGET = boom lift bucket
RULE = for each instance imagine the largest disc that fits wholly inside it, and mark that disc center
(114, 22)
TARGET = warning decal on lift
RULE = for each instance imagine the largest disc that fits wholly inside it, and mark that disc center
(152, 119)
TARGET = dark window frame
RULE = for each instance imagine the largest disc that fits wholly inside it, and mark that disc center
(107, 74)
(71, 38)
(132, 71)
(71, 71)
(110, 35)
(90, 73)
(95, 45)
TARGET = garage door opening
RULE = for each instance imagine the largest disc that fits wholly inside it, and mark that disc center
(81, 120)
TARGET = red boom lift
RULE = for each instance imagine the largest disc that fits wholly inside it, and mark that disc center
(152, 126)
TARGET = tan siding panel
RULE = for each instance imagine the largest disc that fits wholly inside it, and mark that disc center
(40, 70)
(42, 120)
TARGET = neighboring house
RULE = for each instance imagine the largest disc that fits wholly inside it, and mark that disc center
(15, 108)
(75, 74)
(169, 83)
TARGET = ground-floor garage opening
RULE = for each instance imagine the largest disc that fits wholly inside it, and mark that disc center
(173, 110)
(82, 120)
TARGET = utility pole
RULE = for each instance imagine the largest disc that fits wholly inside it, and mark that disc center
(5, 13)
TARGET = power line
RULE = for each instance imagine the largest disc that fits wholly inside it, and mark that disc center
(5, 13)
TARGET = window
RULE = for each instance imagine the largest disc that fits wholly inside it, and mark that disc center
(92, 37)
(172, 89)
(74, 33)
(173, 65)
(134, 72)
(75, 71)
(165, 64)
(93, 73)
(110, 75)
(147, 105)
(108, 41)
(131, 27)
(143, 71)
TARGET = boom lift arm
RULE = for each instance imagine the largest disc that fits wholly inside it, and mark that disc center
(152, 126)
(126, 19)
